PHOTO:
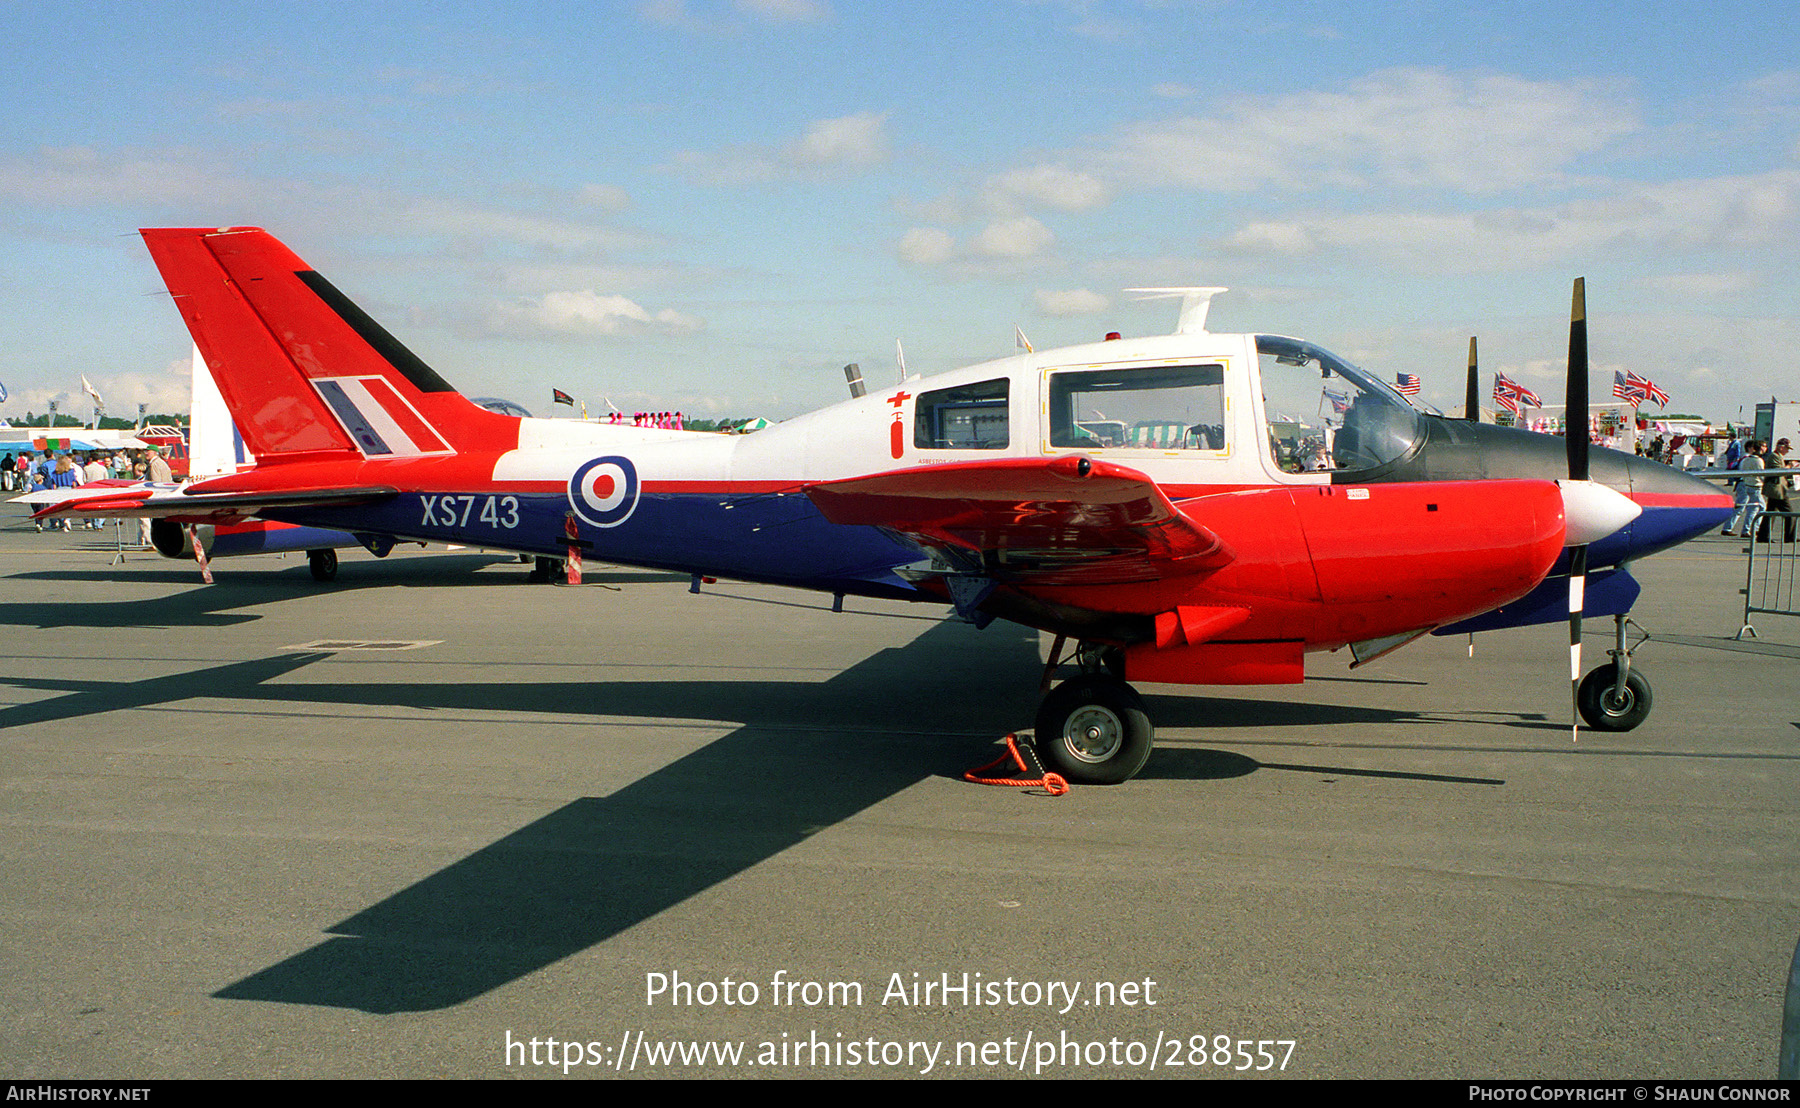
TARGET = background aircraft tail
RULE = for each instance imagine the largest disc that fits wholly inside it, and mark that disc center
(307, 374)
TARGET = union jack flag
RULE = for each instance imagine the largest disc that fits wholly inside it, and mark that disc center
(1509, 394)
(1406, 384)
(1642, 388)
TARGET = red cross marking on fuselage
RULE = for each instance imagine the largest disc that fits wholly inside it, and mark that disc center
(898, 398)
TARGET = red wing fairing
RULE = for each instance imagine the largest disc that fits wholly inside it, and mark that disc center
(1067, 519)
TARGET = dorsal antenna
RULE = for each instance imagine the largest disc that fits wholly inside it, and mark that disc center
(1194, 303)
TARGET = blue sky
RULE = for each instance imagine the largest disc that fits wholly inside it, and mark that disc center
(712, 205)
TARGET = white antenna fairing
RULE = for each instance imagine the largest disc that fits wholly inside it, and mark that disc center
(1194, 303)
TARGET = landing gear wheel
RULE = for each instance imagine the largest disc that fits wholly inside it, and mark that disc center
(323, 564)
(1605, 710)
(1092, 729)
(544, 570)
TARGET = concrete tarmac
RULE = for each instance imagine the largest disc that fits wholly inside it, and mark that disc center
(667, 827)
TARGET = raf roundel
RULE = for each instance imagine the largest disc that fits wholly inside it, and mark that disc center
(604, 492)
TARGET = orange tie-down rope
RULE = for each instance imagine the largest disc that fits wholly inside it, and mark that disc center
(1053, 783)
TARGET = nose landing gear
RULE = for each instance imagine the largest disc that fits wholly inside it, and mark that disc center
(1615, 697)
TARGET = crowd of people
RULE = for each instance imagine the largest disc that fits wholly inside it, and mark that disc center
(41, 470)
(668, 421)
(1757, 496)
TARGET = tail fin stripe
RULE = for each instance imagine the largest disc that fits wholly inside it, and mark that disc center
(422, 376)
(366, 437)
(378, 418)
(409, 422)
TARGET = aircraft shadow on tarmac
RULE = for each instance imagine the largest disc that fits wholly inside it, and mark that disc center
(803, 757)
(215, 605)
(602, 864)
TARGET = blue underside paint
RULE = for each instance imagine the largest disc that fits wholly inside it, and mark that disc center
(1656, 530)
(278, 540)
(1609, 592)
(781, 538)
(777, 538)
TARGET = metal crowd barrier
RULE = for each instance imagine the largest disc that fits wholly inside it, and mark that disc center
(1770, 570)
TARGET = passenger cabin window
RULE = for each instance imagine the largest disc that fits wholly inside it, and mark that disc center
(1146, 408)
(968, 417)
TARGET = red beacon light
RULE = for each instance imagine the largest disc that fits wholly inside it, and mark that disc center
(1112, 336)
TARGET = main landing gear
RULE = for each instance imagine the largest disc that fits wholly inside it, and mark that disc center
(1093, 728)
(544, 570)
(323, 564)
(1615, 697)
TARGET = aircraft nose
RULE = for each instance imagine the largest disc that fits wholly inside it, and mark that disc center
(1592, 511)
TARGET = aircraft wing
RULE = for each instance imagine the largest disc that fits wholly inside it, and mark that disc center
(1070, 518)
(142, 498)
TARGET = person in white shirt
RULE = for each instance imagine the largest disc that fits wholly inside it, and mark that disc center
(1749, 503)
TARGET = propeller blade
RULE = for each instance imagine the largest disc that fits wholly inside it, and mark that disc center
(1575, 434)
(1575, 415)
(1577, 600)
(1472, 399)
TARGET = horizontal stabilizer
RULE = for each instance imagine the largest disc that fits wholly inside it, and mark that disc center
(170, 502)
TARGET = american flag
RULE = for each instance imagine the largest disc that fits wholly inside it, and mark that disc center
(1340, 402)
(1407, 384)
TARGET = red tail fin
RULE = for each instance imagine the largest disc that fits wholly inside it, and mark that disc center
(306, 373)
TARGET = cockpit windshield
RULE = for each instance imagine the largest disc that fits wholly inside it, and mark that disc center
(1326, 415)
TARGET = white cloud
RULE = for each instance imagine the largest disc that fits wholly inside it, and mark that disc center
(787, 11)
(859, 139)
(1700, 285)
(454, 217)
(1023, 237)
(78, 175)
(1055, 186)
(681, 16)
(926, 246)
(1002, 241)
(1645, 220)
(1398, 127)
(584, 312)
(167, 390)
(608, 198)
(1069, 302)
(851, 141)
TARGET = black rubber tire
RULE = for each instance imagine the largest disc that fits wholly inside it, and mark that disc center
(1594, 696)
(323, 564)
(1093, 730)
(545, 570)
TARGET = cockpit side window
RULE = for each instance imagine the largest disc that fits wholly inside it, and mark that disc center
(1326, 415)
(967, 417)
(1143, 407)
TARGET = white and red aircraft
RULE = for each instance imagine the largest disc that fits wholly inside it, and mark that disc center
(1192, 508)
